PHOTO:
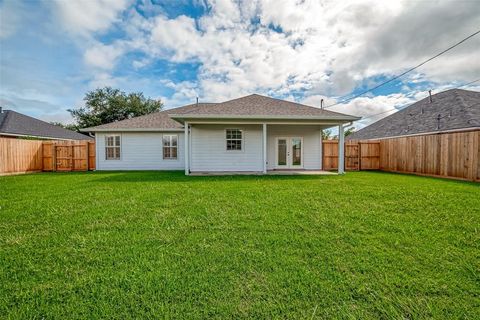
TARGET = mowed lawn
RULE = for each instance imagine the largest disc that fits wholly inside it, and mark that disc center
(162, 245)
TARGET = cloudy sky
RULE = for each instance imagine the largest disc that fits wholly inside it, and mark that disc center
(52, 52)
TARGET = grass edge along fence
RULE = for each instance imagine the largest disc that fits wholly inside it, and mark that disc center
(452, 155)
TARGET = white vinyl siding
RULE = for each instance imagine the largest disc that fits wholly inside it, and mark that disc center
(209, 152)
(140, 151)
(311, 144)
(144, 150)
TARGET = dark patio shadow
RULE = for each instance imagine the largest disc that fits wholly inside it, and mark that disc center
(179, 176)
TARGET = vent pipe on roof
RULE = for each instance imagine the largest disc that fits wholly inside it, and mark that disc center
(197, 101)
(438, 121)
(430, 95)
(321, 104)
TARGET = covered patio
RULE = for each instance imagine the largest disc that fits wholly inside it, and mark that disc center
(276, 148)
(257, 134)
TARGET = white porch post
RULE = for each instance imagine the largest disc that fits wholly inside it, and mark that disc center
(341, 150)
(264, 148)
(321, 149)
(187, 149)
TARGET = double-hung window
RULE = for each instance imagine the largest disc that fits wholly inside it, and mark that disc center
(170, 146)
(112, 147)
(234, 139)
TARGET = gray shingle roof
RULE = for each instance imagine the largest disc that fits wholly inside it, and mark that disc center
(258, 105)
(252, 105)
(14, 123)
(458, 109)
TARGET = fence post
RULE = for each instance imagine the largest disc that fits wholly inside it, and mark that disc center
(87, 153)
(359, 155)
(54, 157)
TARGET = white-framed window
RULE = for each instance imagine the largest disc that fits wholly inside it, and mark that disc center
(170, 146)
(234, 139)
(112, 147)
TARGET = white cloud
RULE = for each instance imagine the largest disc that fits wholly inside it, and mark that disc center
(323, 48)
(87, 16)
(319, 48)
(375, 108)
(104, 79)
(103, 56)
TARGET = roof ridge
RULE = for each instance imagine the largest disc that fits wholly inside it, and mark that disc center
(189, 105)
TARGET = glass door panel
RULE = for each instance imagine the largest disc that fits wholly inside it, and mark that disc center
(282, 152)
(296, 151)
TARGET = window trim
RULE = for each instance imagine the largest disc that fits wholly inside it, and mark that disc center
(242, 140)
(114, 146)
(171, 147)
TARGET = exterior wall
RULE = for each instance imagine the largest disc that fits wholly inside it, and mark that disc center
(209, 152)
(143, 150)
(312, 144)
(140, 151)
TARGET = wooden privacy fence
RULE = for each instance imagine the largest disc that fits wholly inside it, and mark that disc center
(19, 155)
(68, 156)
(450, 155)
(359, 155)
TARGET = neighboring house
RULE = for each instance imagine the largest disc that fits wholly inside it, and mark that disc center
(17, 125)
(250, 134)
(451, 110)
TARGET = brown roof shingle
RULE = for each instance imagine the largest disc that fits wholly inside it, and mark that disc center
(252, 105)
(257, 105)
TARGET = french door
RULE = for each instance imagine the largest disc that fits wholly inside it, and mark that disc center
(289, 153)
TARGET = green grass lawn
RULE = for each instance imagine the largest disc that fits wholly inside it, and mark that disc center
(159, 244)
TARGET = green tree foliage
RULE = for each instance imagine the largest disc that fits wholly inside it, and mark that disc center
(349, 131)
(326, 134)
(105, 105)
(68, 126)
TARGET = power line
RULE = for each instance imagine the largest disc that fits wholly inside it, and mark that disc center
(405, 72)
(467, 84)
(377, 114)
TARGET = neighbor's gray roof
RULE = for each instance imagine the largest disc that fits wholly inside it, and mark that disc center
(14, 123)
(252, 105)
(458, 109)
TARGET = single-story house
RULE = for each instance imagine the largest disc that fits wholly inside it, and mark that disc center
(250, 134)
(17, 125)
(447, 111)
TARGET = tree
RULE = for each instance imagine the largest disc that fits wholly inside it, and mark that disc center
(326, 134)
(105, 105)
(349, 131)
(69, 126)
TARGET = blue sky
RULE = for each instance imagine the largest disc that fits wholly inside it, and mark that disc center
(52, 52)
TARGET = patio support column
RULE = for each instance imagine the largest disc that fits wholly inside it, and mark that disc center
(187, 149)
(341, 150)
(321, 148)
(264, 148)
